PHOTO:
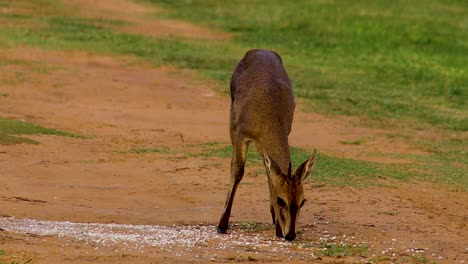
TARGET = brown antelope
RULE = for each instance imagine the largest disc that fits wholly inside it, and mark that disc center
(262, 108)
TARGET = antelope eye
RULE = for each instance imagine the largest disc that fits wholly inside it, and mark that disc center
(281, 202)
(302, 203)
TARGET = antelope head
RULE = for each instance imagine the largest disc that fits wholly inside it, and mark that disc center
(287, 195)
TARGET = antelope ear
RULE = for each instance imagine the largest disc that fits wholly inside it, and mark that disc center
(304, 170)
(272, 168)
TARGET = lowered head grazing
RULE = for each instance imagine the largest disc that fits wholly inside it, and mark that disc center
(287, 195)
(262, 108)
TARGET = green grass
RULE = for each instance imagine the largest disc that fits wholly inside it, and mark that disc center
(403, 60)
(353, 142)
(400, 60)
(147, 150)
(254, 226)
(397, 63)
(341, 250)
(10, 129)
(350, 172)
(423, 260)
(101, 36)
(20, 76)
(337, 171)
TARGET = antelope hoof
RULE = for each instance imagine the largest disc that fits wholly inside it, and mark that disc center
(222, 230)
(290, 237)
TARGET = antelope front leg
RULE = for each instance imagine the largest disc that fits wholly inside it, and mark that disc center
(272, 211)
(237, 172)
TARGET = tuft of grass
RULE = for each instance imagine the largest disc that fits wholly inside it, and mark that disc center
(4, 94)
(10, 128)
(254, 226)
(147, 150)
(342, 250)
(353, 142)
(422, 260)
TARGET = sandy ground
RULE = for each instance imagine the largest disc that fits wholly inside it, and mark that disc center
(123, 104)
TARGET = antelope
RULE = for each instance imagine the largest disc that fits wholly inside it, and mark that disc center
(262, 108)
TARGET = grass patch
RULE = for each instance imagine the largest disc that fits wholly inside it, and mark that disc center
(9, 129)
(19, 74)
(351, 59)
(349, 172)
(4, 94)
(254, 226)
(398, 59)
(147, 150)
(329, 169)
(103, 36)
(422, 260)
(446, 161)
(337, 171)
(13, 140)
(341, 250)
(353, 142)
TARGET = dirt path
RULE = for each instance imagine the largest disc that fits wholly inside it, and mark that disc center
(124, 104)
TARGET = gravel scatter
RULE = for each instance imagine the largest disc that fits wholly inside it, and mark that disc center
(179, 240)
(198, 240)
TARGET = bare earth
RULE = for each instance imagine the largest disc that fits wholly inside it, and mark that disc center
(123, 104)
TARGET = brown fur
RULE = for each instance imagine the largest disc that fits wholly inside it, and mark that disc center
(262, 108)
(261, 92)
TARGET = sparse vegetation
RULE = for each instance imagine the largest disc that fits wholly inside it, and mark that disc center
(147, 150)
(341, 250)
(422, 260)
(6, 259)
(342, 171)
(353, 142)
(9, 129)
(254, 226)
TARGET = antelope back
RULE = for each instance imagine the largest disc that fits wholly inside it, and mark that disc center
(263, 104)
